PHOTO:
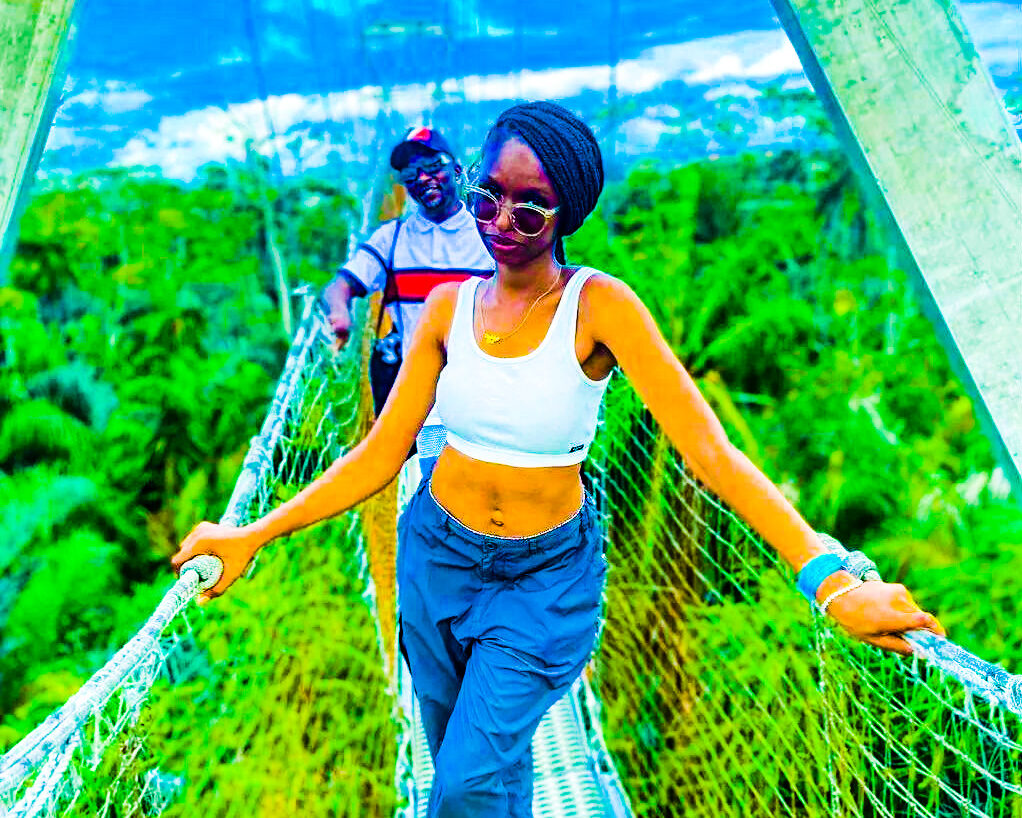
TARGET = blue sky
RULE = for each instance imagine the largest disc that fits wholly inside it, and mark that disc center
(173, 86)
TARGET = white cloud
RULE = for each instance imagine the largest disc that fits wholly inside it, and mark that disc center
(60, 137)
(642, 133)
(727, 66)
(795, 83)
(231, 58)
(748, 55)
(731, 89)
(780, 61)
(771, 131)
(183, 143)
(112, 97)
(662, 112)
(729, 62)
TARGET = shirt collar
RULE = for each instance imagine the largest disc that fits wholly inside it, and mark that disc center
(452, 224)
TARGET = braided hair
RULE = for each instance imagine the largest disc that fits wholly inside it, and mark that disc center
(568, 152)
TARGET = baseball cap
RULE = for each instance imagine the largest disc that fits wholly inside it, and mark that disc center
(422, 136)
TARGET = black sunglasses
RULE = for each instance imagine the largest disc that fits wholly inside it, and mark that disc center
(430, 165)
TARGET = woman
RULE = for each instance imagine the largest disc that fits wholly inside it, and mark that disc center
(500, 563)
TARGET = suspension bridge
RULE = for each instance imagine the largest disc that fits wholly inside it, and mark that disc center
(667, 719)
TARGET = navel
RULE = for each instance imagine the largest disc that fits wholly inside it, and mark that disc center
(496, 517)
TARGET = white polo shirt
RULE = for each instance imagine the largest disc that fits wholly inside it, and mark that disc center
(426, 254)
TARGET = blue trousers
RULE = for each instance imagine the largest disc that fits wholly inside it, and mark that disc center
(494, 630)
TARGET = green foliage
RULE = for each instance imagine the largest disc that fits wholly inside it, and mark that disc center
(65, 590)
(33, 503)
(77, 389)
(293, 710)
(36, 431)
(751, 271)
(140, 336)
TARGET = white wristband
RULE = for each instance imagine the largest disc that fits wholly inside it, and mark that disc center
(839, 592)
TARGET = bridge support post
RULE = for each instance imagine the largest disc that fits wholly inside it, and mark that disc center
(33, 39)
(919, 117)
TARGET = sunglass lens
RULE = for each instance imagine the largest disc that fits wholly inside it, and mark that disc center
(431, 167)
(483, 208)
(529, 222)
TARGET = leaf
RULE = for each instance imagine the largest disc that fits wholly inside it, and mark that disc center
(77, 390)
(62, 597)
(37, 431)
(34, 503)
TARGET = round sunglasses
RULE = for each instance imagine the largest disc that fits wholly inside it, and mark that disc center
(528, 219)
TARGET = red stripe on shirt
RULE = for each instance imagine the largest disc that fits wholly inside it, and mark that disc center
(415, 285)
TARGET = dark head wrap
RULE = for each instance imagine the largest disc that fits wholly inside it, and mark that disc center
(568, 151)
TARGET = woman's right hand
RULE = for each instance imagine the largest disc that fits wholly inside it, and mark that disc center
(234, 547)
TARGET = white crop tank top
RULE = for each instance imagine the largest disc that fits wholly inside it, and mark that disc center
(538, 409)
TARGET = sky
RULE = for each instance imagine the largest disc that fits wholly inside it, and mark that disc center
(173, 86)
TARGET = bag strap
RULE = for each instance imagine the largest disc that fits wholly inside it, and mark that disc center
(390, 284)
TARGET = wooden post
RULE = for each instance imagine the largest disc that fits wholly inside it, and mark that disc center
(919, 117)
(33, 38)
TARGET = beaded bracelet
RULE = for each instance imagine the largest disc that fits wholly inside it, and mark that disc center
(839, 592)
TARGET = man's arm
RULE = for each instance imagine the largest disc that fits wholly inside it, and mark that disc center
(364, 273)
(337, 295)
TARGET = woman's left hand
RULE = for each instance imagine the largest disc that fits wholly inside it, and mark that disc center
(877, 612)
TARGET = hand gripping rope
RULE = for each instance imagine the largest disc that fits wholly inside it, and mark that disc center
(55, 742)
(993, 683)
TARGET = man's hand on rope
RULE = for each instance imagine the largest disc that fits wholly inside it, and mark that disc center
(337, 296)
(232, 546)
(340, 325)
(876, 612)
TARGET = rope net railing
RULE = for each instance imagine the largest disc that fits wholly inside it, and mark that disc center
(716, 699)
(717, 691)
(97, 756)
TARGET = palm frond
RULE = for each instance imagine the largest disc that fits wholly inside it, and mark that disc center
(77, 390)
(33, 503)
(37, 431)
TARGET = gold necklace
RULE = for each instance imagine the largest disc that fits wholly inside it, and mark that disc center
(494, 338)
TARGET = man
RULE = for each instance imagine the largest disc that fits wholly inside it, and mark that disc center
(438, 243)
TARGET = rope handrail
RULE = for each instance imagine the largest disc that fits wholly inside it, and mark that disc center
(259, 457)
(48, 750)
(993, 683)
(61, 730)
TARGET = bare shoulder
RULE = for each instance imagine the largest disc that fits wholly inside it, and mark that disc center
(615, 316)
(438, 309)
(603, 294)
(442, 298)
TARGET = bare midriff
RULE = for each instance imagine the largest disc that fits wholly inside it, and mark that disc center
(506, 501)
